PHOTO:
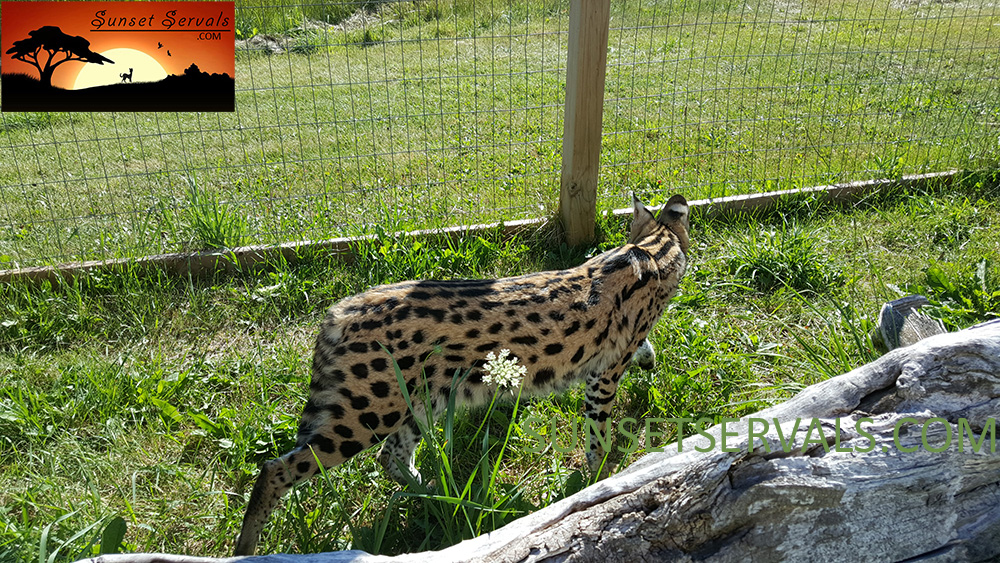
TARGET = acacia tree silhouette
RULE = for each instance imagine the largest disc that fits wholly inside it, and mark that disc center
(53, 41)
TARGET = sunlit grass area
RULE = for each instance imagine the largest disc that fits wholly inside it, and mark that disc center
(144, 403)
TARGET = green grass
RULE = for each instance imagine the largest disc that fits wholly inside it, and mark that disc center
(152, 399)
(424, 114)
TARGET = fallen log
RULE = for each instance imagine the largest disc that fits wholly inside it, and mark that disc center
(893, 461)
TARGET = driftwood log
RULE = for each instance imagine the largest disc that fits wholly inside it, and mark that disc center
(873, 500)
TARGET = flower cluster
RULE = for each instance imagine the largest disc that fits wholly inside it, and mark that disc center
(503, 371)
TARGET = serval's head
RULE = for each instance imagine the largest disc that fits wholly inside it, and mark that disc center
(673, 217)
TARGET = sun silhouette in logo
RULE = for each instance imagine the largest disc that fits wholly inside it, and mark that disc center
(144, 68)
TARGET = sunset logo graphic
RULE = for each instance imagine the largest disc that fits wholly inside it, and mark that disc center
(117, 56)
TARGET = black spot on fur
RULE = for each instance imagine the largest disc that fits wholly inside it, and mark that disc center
(350, 448)
(487, 346)
(572, 328)
(556, 316)
(360, 370)
(525, 339)
(338, 376)
(336, 411)
(543, 376)
(358, 347)
(578, 355)
(534, 318)
(474, 315)
(390, 420)
(476, 291)
(474, 333)
(303, 467)
(344, 431)
(456, 346)
(323, 443)
(604, 400)
(553, 349)
(371, 324)
(406, 362)
(380, 389)
(420, 295)
(457, 318)
(418, 337)
(603, 335)
(495, 328)
(369, 420)
(379, 364)
(629, 291)
(359, 403)
(438, 314)
(668, 245)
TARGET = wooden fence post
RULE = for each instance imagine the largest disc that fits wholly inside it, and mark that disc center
(586, 62)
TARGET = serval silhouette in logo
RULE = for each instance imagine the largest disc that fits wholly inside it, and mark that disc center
(126, 76)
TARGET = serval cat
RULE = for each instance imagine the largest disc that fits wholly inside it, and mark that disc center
(580, 323)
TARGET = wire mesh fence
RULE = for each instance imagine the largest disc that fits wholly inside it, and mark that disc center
(357, 116)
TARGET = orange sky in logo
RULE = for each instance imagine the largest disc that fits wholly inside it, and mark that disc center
(181, 28)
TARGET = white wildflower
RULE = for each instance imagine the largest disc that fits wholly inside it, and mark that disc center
(502, 371)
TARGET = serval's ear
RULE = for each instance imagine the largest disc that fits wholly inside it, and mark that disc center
(642, 219)
(674, 214)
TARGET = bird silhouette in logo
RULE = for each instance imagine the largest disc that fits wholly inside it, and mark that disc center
(159, 45)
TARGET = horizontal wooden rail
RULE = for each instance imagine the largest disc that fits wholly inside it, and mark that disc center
(201, 264)
(834, 193)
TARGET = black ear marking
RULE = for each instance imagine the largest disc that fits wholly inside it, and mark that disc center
(676, 209)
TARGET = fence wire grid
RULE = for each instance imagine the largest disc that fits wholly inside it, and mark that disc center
(354, 116)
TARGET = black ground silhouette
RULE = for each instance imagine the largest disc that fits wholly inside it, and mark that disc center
(192, 91)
